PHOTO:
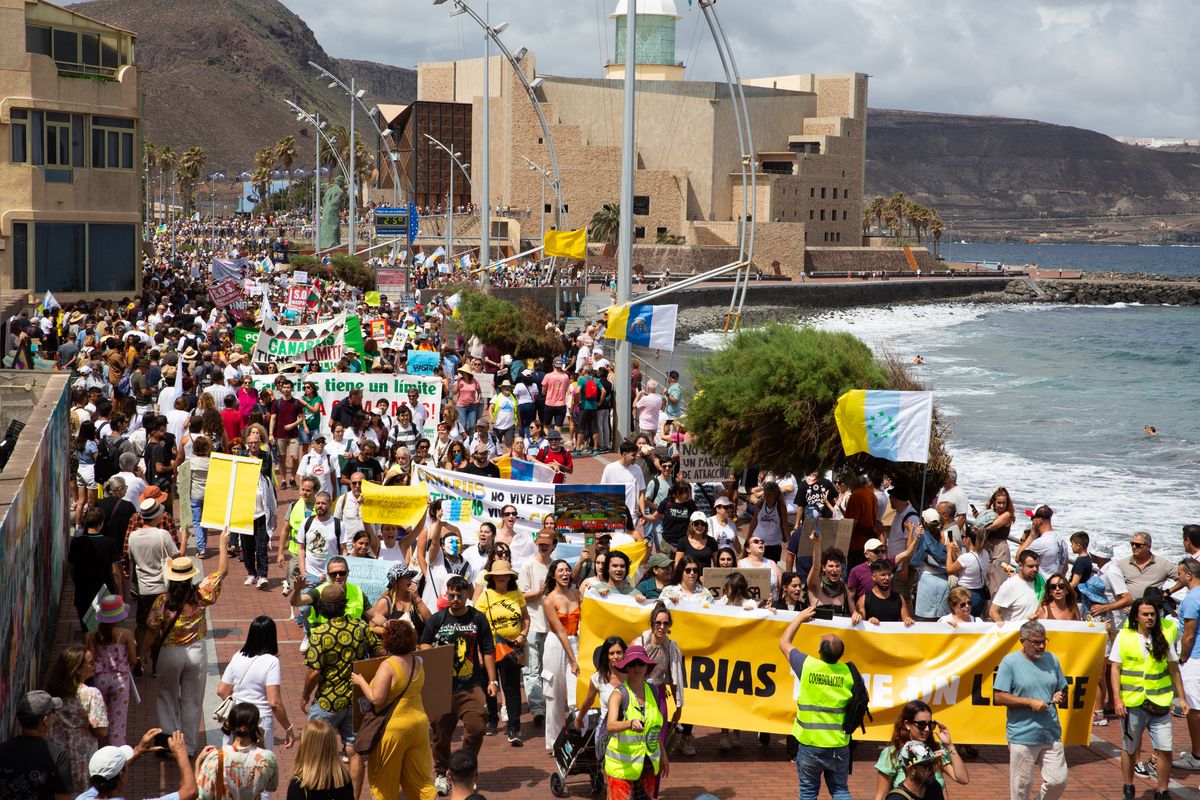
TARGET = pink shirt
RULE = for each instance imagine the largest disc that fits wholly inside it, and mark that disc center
(468, 394)
(554, 386)
(649, 407)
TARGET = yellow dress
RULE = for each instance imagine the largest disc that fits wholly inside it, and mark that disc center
(403, 759)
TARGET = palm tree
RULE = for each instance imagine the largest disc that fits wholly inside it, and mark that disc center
(191, 167)
(286, 155)
(167, 159)
(936, 228)
(264, 162)
(895, 206)
(606, 224)
(876, 211)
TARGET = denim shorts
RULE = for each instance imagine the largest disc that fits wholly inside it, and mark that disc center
(304, 436)
(341, 721)
(1135, 725)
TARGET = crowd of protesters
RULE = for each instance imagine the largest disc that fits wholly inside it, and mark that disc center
(159, 386)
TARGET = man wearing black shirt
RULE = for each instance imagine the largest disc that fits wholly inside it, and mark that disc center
(117, 510)
(364, 462)
(479, 464)
(467, 631)
(159, 456)
(30, 767)
(93, 558)
(344, 411)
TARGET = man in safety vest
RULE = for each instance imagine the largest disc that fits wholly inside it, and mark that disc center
(289, 527)
(826, 687)
(1143, 664)
(337, 571)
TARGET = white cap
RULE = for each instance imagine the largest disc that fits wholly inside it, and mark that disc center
(107, 762)
(930, 515)
(872, 544)
(699, 516)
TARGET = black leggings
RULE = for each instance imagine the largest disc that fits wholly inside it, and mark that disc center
(508, 672)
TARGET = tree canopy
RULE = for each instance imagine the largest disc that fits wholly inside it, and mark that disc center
(520, 330)
(767, 399)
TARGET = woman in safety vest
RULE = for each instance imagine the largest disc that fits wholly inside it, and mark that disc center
(635, 754)
(1144, 666)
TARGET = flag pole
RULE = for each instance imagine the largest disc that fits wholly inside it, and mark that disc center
(925, 471)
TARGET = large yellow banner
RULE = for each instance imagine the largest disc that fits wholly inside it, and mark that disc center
(394, 505)
(738, 678)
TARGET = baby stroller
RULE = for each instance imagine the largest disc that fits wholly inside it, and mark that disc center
(575, 754)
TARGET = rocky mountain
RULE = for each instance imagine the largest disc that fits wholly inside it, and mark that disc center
(216, 74)
(998, 169)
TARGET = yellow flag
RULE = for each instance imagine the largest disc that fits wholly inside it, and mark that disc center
(373, 299)
(394, 505)
(229, 493)
(567, 244)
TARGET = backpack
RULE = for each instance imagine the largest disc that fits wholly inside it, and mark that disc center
(857, 709)
(125, 385)
(106, 459)
(590, 390)
(337, 530)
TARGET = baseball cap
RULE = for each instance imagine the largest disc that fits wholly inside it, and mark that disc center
(553, 434)
(38, 704)
(1101, 550)
(658, 560)
(930, 515)
(699, 516)
(872, 544)
(1041, 511)
(722, 501)
(915, 753)
(107, 762)
(544, 538)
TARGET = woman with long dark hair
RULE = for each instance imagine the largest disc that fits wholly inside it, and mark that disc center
(1059, 601)
(916, 724)
(86, 449)
(177, 624)
(560, 660)
(996, 521)
(81, 726)
(243, 765)
(604, 680)
(254, 676)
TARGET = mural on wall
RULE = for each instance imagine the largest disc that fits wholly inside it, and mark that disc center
(33, 547)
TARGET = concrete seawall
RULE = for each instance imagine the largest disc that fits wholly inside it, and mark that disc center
(840, 295)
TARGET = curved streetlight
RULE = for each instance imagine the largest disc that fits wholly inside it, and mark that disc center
(383, 133)
(545, 177)
(454, 157)
(493, 33)
(315, 121)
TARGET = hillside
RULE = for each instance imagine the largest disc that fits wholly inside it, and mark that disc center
(216, 77)
(994, 168)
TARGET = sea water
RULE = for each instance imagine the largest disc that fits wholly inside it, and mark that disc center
(1176, 260)
(1050, 401)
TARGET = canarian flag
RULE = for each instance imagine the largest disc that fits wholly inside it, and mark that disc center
(566, 244)
(516, 469)
(648, 326)
(886, 424)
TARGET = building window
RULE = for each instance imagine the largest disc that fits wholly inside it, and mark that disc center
(20, 136)
(639, 232)
(846, 193)
(59, 257)
(812, 191)
(845, 215)
(822, 215)
(822, 192)
(641, 204)
(112, 143)
(58, 139)
(835, 193)
(112, 257)
(20, 256)
(547, 209)
(661, 230)
(89, 53)
(539, 140)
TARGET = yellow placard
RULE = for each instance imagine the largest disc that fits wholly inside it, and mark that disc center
(736, 672)
(394, 505)
(230, 492)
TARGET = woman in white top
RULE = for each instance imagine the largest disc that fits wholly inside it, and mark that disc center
(754, 557)
(768, 521)
(338, 447)
(536, 439)
(603, 682)
(198, 462)
(685, 585)
(971, 567)
(959, 600)
(721, 525)
(253, 676)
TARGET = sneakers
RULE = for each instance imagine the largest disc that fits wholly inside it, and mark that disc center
(687, 746)
(1145, 769)
(504, 713)
(1098, 718)
(304, 645)
(539, 720)
(736, 736)
(1128, 792)
(1162, 795)
(1186, 761)
(491, 728)
(514, 739)
(442, 784)
(262, 583)
(724, 743)
(286, 587)
(250, 579)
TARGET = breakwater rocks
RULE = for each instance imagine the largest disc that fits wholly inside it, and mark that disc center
(1106, 288)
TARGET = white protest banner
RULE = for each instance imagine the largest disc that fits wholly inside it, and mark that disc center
(297, 298)
(335, 386)
(223, 269)
(287, 344)
(225, 293)
(697, 466)
(300, 276)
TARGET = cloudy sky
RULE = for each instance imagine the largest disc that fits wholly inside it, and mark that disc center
(1126, 67)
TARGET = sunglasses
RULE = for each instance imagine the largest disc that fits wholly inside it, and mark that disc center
(662, 624)
(1054, 586)
(1138, 545)
(356, 483)
(336, 575)
(923, 724)
(510, 514)
(691, 569)
(880, 551)
(756, 541)
(453, 595)
(963, 604)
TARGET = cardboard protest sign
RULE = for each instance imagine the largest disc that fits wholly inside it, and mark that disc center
(379, 330)
(335, 386)
(437, 663)
(423, 362)
(394, 505)
(297, 298)
(697, 466)
(229, 493)
(757, 578)
(834, 533)
(370, 575)
(596, 508)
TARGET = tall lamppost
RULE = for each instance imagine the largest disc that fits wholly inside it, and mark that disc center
(454, 160)
(315, 120)
(545, 176)
(212, 192)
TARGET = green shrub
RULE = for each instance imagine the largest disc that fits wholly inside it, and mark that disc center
(352, 270)
(520, 330)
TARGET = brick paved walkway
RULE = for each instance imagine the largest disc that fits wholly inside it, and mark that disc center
(753, 773)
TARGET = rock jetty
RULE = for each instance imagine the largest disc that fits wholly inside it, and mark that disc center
(1105, 288)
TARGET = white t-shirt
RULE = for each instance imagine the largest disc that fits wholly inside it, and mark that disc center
(631, 478)
(974, 568)
(440, 572)
(320, 466)
(949, 617)
(250, 678)
(177, 421)
(1016, 599)
(532, 577)
(1052, 550)
(393, 553)
(725, 534)
(320, 542)
(134, 486)
(348, 509)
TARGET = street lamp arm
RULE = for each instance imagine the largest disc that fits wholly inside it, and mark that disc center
(332, 148)
(453, 158)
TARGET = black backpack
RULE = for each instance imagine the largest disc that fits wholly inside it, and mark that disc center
(107, 457)
(857, 709)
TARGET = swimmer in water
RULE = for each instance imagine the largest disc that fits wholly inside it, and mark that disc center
(1151, 430)
(918, 360)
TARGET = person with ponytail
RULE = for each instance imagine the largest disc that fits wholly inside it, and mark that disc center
(243, 769)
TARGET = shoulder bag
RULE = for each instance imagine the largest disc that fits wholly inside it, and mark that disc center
(375, 722)
(158, 643)
(221, 713)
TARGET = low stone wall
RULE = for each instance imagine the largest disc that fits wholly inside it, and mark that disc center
(840, 260)
(1185, 292)
(801, 294)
